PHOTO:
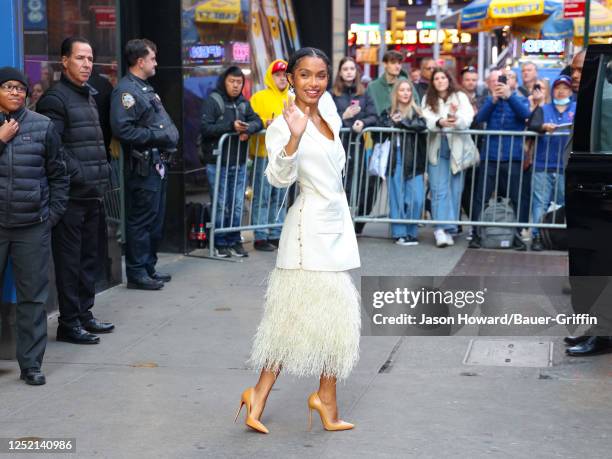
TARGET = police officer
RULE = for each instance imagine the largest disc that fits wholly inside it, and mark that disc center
(149, 138)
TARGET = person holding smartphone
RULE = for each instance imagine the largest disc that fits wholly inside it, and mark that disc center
(226, 111)
(501, 161)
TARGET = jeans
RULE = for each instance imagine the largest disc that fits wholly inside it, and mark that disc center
(406, 199)
(230, 200)
(547, 187)
(446, 189)
(266, 202)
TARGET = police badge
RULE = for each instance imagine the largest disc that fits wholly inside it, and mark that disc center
(127, 100)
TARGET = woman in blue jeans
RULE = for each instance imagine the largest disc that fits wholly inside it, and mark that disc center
(446, 108)
(406, 184)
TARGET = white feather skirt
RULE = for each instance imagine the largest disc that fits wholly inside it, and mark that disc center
(311, 324)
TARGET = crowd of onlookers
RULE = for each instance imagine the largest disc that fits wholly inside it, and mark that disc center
(442, 171)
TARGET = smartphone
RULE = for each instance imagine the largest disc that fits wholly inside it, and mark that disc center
(355, 102)
(502, 79)
(537, 87)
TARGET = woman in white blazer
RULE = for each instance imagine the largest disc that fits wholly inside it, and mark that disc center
(445, 107)
(311, 321)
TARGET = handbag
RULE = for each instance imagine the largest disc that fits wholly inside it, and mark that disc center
(379, 160)
(470, 156)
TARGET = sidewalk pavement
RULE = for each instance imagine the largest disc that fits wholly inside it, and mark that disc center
(167, 382)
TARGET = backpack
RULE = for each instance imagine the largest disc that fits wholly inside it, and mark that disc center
(552, 238)
(240, 108)
(498, 210)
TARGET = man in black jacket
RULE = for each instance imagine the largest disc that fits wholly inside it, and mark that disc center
(33, 197)
(226, 111)
(70, 105)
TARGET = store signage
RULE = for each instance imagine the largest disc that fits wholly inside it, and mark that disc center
(105, 16)
(413, 37)
(543, 47)
(220, 11)
(426, 25)
(573, 9)
(241, 52)
(364, 27)
(35, 15)
(208, 54)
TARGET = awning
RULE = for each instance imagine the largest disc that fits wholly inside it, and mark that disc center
(557, 28)
(219, 11)
(490, 14)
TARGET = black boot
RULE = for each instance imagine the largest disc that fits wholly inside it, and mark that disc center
(33, 376)
(536, 244)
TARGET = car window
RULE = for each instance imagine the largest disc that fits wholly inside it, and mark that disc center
(604, 131)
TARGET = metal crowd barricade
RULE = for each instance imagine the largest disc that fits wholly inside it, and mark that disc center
(112, 198)
(242, 199)
(369, 196)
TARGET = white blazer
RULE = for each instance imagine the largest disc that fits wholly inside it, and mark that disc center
(318, 232)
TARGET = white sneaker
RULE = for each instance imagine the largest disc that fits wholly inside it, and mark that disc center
(449, 239)
(441, 239)
(407, 241)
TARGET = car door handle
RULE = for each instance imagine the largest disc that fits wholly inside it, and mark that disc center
(597, 188)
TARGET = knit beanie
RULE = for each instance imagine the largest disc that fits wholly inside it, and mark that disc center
(12, 74)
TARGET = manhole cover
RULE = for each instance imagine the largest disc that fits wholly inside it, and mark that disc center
(504, 353)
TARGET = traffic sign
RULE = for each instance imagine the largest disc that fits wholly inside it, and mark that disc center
(426, 25)
(573, 9)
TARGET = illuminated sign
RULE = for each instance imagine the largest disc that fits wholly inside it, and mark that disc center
(543, 47)
(208, 53)
(241, 52)
(413, 37)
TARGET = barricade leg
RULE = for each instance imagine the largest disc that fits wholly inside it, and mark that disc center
(542, 191)
(235, 197)
(220, 209)
(414, 193)
(261, 198)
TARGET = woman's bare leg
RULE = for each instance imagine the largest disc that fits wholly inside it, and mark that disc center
(263, 387)
(327, 394)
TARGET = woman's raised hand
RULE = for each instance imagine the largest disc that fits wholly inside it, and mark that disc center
(296, 120)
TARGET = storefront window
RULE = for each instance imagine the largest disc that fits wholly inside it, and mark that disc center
(47, 23)
(217, 34)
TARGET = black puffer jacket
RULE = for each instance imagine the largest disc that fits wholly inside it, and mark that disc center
(417, 137)
(216, 121)
(75, 116)
(33, 180)
(368, 109)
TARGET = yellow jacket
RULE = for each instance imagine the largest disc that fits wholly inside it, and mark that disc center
(268, 104)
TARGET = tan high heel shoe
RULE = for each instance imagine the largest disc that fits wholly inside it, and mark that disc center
(315, 403)
(246, 399)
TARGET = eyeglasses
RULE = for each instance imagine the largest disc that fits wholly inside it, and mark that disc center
(10, 88)
(468, 68)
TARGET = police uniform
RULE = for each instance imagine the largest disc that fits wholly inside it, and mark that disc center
(149, 138)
